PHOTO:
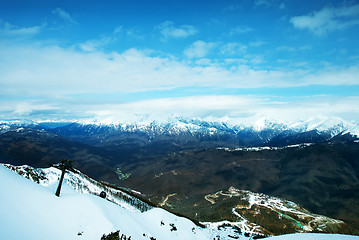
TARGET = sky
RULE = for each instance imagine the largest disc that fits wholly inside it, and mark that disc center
(120, 60)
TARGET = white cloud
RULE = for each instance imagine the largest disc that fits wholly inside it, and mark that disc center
(269, 3)
(240, 30)
(281, 5)
(162, 109)
(199, 49)
(94, 44)
(27, 109)
(134, 33)
(232, 108)
(333, 76)
(265, 3)
(233, 7)
(233, 48)
(72, 82)
(63, 14)
(328, 19)
(118, 30)
(10, 30)
(257, 43)
(236, 109)
(53, 71)
(169, 30)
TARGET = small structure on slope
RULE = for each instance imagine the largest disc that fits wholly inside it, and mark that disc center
(64, 165)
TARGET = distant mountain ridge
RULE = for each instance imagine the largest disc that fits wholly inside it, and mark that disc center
(202, 132)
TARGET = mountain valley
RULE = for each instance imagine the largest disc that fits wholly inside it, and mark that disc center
(180, 166)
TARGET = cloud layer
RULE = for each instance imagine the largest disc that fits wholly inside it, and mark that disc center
(224, 107)
(59, 71)
(65, 83)
(236, 61)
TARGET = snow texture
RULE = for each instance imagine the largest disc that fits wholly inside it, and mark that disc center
(31, 211)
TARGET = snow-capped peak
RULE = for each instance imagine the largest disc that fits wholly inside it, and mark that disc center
(319, 123)
(333, 125)
(212, 125)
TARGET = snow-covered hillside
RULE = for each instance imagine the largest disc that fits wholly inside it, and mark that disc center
(32, 211)
(81, 183)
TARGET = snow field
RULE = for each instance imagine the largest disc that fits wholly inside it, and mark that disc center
(33, 212)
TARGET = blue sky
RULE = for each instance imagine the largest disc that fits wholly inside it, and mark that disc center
(116, 59)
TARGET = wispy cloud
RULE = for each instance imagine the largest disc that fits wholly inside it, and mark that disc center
(265, 3)
(199, 49)
(94, 44)
(257, 43)
(134, 33)
(270, 3)
(328, 19)
(9, 30)
(169, 30)
(63, 14)
(26, 108)
(240, 30)
(233, 48)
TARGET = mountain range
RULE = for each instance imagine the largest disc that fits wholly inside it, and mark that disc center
(203, 133)
(179, 162)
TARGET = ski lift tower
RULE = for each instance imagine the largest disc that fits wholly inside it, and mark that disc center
(64, 165)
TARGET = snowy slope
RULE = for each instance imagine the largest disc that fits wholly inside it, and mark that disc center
(81, 183)
(31, 211)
